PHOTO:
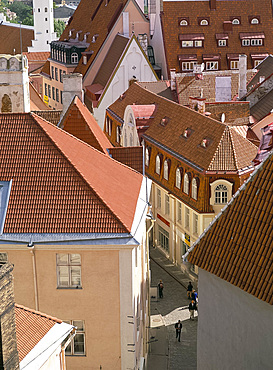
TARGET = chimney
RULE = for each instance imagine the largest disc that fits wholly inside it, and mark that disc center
(173, 82)
(212, 4)
(197, 104)
(242, 75)
(227, 26)
(72, 85)
(9, 358)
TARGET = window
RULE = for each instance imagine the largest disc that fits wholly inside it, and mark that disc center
(246, 42)
(221, 194)
(118, 133)
(46, 31)
(45, 10)
(163, 238)
(77, 345)
(167, 204)
(178, 178)
(57, 95)
(53, 92)
(39, 10)
(158, 198)
(187, 217)
(187, 44)
(257, 62)
(212, 66)
(46, 19)
(158, 164)
(204, 22)
(234, 64)
(84, 59)
(68, 270)
(222, 42)
(3, 258)
(74, 58)
(49, 91)
(183, 22)
(188, 66)
(166, 169)
(194, 189)
(147, 157)
(61, 97)
(179, 212)
(235, 21)
(254, 21)
(256, 42)
(61, 76)
(56, 74)
(46, 90)
(186, 186)
(52, 73)
(195, 223)
(198, 43)
(109, 126)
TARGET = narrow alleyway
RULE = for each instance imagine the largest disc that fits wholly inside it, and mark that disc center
(166, 353)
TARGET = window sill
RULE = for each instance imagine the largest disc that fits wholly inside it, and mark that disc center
(69, 287)
(68, 355)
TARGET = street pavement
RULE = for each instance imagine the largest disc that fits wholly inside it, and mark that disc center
(166, 353)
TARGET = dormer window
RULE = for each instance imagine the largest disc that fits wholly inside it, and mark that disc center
(186, 185)
(194, 188)
(178, 177)
(167, 166)
(236, 21)
(74, 58)
(158, 162)
(147, 156)
(222, 42)
(221, 194)
(204, 22)
(205, 143)
(254, 21)
(186, 133)
(69, 33)
(183, 22)
(164, 121)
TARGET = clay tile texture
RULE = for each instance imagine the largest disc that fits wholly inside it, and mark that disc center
(61, 184)
(10, 39)
(238, 245)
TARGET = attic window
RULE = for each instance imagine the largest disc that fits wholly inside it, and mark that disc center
(205, 143)
(236, 21)
(254, 21)
(183, 22)
(164, 121)
(204, 22)
(186, 134)
(94, 38)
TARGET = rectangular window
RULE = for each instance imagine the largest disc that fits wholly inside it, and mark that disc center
(256, 62)
(183, 247)
(53, 92)
(61, 97)
(163, 238)
(212, 66)
(195, 223)
(234, 64)
(158, 198)
(187, 44)
(57, 95)
(188, 66)
(56, 74)
(49, 91)
(198, 43)
(222, 42)
(179, 212)
(68, 270)
(167, 204)
(61, 75)
(52, 73)
(246, 42)
(256, 42)
(46, 90)
(187, 217)
(77, 345)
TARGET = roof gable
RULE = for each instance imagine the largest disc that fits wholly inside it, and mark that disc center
(237, 247)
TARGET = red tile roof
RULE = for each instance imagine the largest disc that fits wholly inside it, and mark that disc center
(238, 247)
(60, 184)
(79, 121)
(37, 56)
(31, 327)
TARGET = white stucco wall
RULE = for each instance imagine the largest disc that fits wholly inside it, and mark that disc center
(133, 64)
(235, 329)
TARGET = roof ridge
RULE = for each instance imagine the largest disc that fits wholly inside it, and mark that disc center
(38, 313)
(234, 155)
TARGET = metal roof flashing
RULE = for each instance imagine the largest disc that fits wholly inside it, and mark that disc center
(5, 187)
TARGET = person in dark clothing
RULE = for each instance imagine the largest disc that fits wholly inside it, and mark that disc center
(194, 295)
(192, 308)
(160, 289)
(178, 328)
(189, 290)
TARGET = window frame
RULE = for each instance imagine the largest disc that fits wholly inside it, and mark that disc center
(74, 58)
(195, 224)
(194, 189)
(167, 204)
(166, 169)
(69, 266)
(186, 184)
(163, 238)
(187, 218)
(223, 41)
(158, 164)
(71, 345)
(221, 194)
(188, 64)
(158, 198)
(236, 21)
(234, 64)
(214, 64)
(187, 43)
(178, 179)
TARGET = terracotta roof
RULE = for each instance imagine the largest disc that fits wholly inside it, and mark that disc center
(161, 88)
(219, 136)
(61, 184)
(237, 247)
(174, 11)
(31, 327)
(10, 38)
(52, 116)
(130, 156)
(46, 68)
(36, 102)
(79, 121)
(37, 56)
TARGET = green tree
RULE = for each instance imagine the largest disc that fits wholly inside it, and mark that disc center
(59, 27)
(23, 12)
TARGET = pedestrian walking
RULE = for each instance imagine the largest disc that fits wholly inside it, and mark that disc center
(192, 308)
(178, 328)
(194, 295)
(160, 289)
(189, 290)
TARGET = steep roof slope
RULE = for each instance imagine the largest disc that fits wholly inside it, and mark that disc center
(79, 121)
(238, 247)
(60, 184)
(10, 38)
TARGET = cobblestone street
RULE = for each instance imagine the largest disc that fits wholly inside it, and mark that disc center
(166, 352)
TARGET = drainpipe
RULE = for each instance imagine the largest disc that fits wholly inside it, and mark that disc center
(149, 277)
(32, 251)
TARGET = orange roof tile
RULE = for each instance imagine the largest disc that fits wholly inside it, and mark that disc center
(79, 121)
(60, 184)
(238, 247)
(31, 327)
(37, 56)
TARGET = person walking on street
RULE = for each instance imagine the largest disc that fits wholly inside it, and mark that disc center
(192, 308)
(194, 295)
(160, 289)
(189, 290)
(178, 328)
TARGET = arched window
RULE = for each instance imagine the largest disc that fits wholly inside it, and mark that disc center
(178, 178)
(74, 58)
(221, 194)
(183, 22)
(45, 10)
(255, 21)
(194, 188)
(186, 185)
(166, 169)
(147, 157)
(158, 164)
(204, 22)
(235, 21)
(118, 133)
